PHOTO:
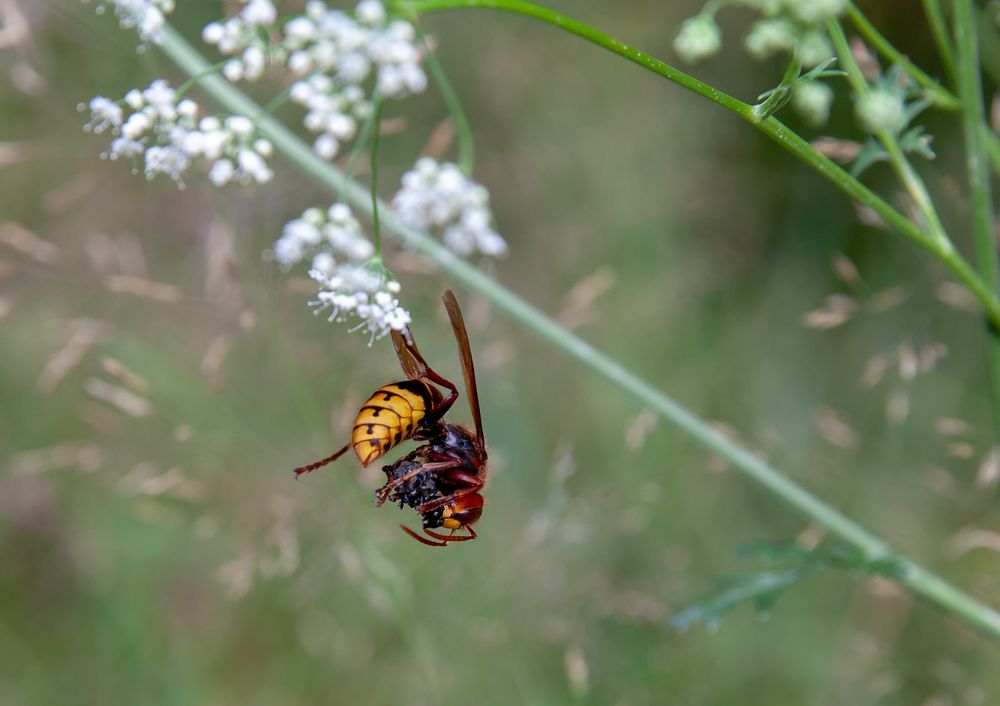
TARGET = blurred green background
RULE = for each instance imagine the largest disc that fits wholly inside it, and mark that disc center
(159, 380)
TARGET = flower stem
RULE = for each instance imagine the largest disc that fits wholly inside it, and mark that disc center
(911, 180)
(935, 18)
(939, 95)
(466, 144)
(376, 130)
(913, 576)
(970, 90)
(772, 127)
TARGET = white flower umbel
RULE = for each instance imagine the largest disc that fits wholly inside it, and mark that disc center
(147, 17)
(363, 297)
(354, 285)
(166, 132)
(343, 54)
(329, 237)
(244, 37)
(437, 197)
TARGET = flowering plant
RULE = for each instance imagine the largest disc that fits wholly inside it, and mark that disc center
(346, 64)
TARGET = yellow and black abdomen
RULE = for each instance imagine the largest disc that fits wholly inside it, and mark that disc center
(390, 416)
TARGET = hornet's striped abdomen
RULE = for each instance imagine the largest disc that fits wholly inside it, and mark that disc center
(390, 416)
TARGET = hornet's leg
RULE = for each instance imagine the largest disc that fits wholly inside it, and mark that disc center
(420, 539)
(451, 537)
(319, 464)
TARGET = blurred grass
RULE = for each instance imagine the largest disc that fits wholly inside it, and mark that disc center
(170, 558)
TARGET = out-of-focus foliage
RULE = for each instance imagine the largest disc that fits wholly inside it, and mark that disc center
(159, 381)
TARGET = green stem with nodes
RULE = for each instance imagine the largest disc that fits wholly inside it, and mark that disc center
(780, 96)
(935, 18)
(772, 127)
(466, 144)
(376, 130)
(939, 95)
(913, 576)
(970, 90)
(911, 180)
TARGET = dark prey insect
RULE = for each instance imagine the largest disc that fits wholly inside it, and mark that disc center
(442, 477)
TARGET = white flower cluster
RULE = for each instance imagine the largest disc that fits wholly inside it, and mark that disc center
(147, 17)
(167, 133)
(352, 285)
(341, 52)
(329, 237)
(243, 35)
(437, 197)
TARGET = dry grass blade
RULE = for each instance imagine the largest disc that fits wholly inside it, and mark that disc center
(639, 429)
(957, 297)
(440, 140)
(969, 538)
(578, 303)
(140, 287)
(989, 470)
(951, 426)
(118, 370)
(84, 334)
(835, 312)
(834, 429)
(846, 270)
(842, 151)
(118, 397)
(24, 241)
(83, 456)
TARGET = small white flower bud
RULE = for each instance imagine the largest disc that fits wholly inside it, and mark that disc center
(370, 12)
(240, 125)
(881, 110)
(698, 38)
(815, 11)
(212, 33)
(812, 100)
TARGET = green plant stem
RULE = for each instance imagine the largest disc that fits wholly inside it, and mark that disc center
(939, 95)
(939, 28)
(772, 127)
(992, 143)
(916, 578)
(376, 131)
(911, 180)
(780, 96)
(466, 144)
(970, 90)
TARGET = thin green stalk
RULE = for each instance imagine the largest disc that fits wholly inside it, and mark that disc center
(916, 578)
(360, 142)
(973, 118)
(376, 130)
(772, 127)
(466, 144)
(939, 28)
(992, 143)
(970, 90)
(939, 95)
(911, 180)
